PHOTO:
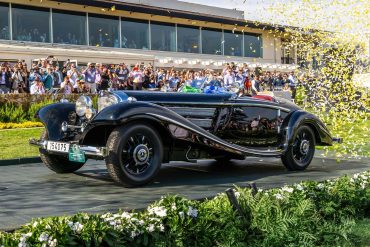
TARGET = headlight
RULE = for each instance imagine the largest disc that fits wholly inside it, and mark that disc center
(106, 100)
(84, 107)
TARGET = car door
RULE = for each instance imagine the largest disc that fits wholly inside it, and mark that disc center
(252, 126)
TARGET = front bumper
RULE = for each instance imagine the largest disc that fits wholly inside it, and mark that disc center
(89, 151)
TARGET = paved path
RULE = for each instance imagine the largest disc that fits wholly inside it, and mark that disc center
(28, 191)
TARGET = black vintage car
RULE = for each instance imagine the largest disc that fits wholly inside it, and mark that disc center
(136, 131)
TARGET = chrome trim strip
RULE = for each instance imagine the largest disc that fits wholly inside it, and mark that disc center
(220, 104)
(193, 111)
(222, 142)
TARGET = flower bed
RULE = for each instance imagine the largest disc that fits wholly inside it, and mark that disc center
(305, 214)
(27, 124)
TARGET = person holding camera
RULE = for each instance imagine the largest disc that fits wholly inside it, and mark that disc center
(17, 79)
(37, 87)
(66, 86)
(90, 78)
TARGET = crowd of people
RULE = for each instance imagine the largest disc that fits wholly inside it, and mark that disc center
(45, 75)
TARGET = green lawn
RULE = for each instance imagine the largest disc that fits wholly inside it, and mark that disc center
(361, 233)
(356, 138)
(14, 143)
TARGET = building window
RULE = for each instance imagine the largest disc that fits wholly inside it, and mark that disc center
(252, 45)
(69, 27)
(287, 52)
(188, 39)
(233, 43)
(4, 21)
(30, 23)
(211, 41)
(103, 31)
(135, 34)
(163, 36)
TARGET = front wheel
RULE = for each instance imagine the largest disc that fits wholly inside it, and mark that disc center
(57, 163)
(134, 154)
(300, 154)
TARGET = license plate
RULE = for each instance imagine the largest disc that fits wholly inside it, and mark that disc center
(58, 147)
(76, 154)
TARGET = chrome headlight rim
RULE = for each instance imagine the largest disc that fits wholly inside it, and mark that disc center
(107, 99)
(84, 107)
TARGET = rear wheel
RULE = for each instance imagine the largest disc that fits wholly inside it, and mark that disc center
(299, 155)
(134, 154)
(56, 163)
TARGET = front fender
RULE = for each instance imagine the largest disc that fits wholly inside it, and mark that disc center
(298, 118)
(52, 116)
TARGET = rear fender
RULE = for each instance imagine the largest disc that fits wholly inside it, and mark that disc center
(298, 118)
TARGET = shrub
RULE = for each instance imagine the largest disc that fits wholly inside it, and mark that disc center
(305, 214)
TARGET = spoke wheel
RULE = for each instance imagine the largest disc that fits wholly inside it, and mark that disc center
(134, 154)
(299, 155)
(137, 154)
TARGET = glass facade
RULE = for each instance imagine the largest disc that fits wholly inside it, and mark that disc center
(79, 28)
(135, 34)
(103, 31)
(30, 23)
(252, 45)
(233, 43)
(211, 41)
(163, 36)
(188, 39)
(4, 22)
(69, 27)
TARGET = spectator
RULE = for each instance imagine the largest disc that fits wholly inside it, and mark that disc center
(46, 79)
(90, 78)
(5, 77)
(137, 76)
(66, 86)
(17, 79)
(73, 75)
(37, 87)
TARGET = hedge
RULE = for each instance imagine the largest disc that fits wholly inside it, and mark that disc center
(304, 214)
(20, 108)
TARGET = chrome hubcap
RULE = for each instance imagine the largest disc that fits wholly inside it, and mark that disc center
(141, 154)
(305, 146)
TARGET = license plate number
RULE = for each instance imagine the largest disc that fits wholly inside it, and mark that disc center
(58, 147)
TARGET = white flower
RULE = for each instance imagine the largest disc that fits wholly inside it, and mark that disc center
(363, 185)
(151, 228)
(141, 222)
(75, 227)
(320, 186)
(355, 176)
(279, 196)
(159, 211)
(161, 228)
(181, 214)
(134, 234)
(44, 237)
(52, 242)
(192, 212)
(173, 206)
(35, 224)
(299, 187)
(126, 215)
(260, 190)
(237, 194)
(287, 189)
